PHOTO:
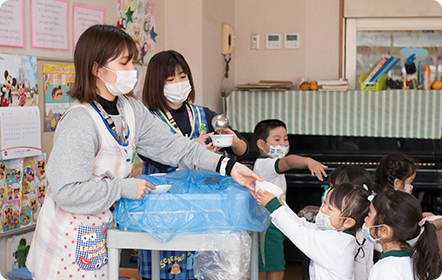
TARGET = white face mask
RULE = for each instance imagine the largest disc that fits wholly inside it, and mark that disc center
(323, 221)
(277, 151)
(177, 93)
(126, 80)
(367, 235)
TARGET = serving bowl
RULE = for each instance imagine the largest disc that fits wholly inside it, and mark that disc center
(160, 189)
(270, 187)
(222, 140)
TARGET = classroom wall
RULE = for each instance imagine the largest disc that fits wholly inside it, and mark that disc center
(317, 22)
(392, 8)
(198, 40)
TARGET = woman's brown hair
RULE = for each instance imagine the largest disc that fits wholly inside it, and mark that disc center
(162, 66)
(97, 46)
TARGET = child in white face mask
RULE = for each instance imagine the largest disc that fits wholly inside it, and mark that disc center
(272, 141)
(363, 260)
(330, 242)
(396, 171)
(394, 218)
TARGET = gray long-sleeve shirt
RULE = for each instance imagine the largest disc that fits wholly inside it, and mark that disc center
(77, 142)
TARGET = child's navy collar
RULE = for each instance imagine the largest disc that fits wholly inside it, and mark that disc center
(262, 157)
(395, 253)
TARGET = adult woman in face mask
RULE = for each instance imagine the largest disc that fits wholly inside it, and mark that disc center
(92, 158)
(168, 92)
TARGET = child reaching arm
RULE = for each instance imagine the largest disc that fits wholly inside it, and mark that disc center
(394, 218)
(330, 242)
(273, 144)
(272, 141)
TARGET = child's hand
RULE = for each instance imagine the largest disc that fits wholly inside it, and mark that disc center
(143, 188)
(427, 214)
(263, 197)
(316, 168)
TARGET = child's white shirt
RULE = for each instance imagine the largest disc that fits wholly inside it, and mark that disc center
(364, 260)
(395, 266)
(268, 169)
(331, 252)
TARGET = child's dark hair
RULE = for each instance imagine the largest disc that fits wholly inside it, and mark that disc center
(352, 174)
(262, 129)
(393, 166)
(402, 212)
(352, 201)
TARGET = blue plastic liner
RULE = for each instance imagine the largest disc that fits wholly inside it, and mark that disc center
(197, 202)
(20, 273)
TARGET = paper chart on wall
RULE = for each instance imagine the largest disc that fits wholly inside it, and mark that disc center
(58, 80)
(49, 24)
(20, 134)
(136, 18)
(18, 80)
(83, 18)
(12, 32)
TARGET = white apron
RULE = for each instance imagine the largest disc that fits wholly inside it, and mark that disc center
(74, 246)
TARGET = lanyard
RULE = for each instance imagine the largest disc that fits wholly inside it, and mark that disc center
(171, 122)
(122, 138)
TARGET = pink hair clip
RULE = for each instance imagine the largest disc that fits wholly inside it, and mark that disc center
(422, 222)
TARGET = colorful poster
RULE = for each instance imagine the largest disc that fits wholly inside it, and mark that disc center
(136, 17)
(18, 81)
(19, 247)
(22, 191)
(30, 206)
(13, 191)
(83, 18)
(12, 27)
(49, 24)
(58, 80)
